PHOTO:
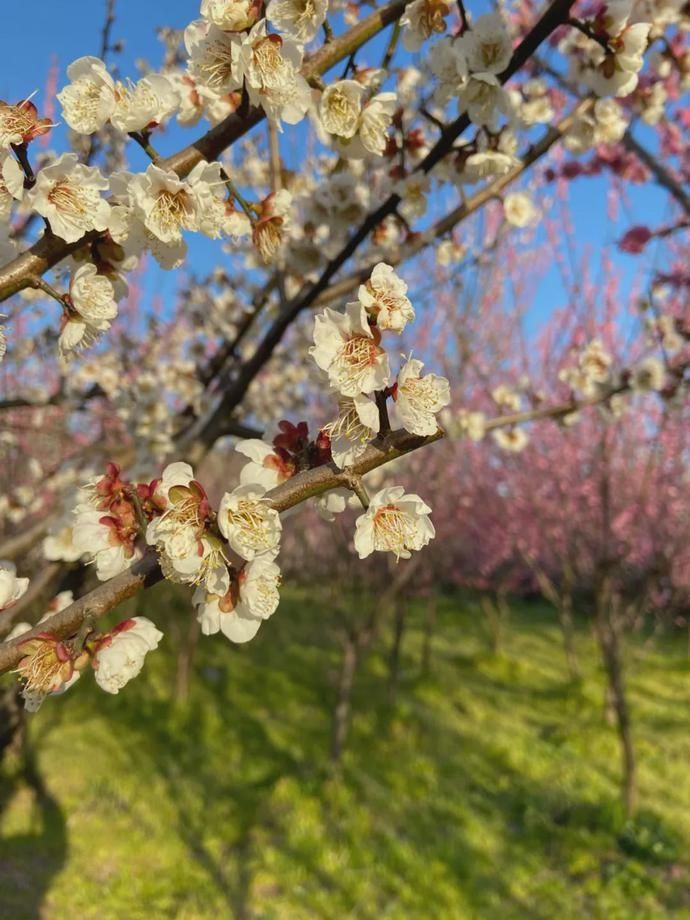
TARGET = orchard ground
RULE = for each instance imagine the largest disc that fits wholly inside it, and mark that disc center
(486, 790)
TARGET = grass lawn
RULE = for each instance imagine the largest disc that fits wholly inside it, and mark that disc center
(485, 791)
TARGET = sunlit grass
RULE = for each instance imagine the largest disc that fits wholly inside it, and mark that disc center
(485, 791)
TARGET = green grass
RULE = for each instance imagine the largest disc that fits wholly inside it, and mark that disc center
(486, 791)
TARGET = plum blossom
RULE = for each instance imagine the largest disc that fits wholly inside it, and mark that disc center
(347, 349)
(340, 108)
(485, 164)
(48, 667)
(11, 185)
(421, 20)
(357, 127)
(300, 19)
(248, 523)
(519, 210)
(144, 104)
(92, 307)
(394, 522)
(120, 655)
(649, 374)
(269, 66)
(231, 15)
(511, 439)
(68, 194)
(20, 124)
(89, 100)
(213, 57)
(100, 537)
(484, 100)
(384, 297)
(240, 613)
(188, 553)
(419, 399)
(11, 587)
(166, 203)
(615, 72)
(487, 45)
(266, 467)
(268, 232)
(357, 424)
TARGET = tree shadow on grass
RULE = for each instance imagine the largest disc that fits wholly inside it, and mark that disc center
(30, 860)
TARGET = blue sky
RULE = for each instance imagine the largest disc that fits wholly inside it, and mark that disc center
(69, 29)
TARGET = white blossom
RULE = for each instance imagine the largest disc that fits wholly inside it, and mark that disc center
(511, 439)
(421, 20)
(395, 522)
(649, 374)
(384, 297)
(265, 467)
(484, 100)
(122, 655)
(356, 425)
(300, 19)
(418, 399)
(144, 104)
(68, 194)
(487, 45)
(213, 57)
(231, 15)
(346, 348)
(11, 587)
(166, 203)
(89, 100)
(269, 65)
(100, 543)
(340, 107)
(92, 301)
(240, 613)
(519, 210)
(248, 523)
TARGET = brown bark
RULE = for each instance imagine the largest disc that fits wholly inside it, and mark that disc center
(430, 616)
(341, 713)
(496, 612)
(607, 625)
(185, 660)
(400, 612)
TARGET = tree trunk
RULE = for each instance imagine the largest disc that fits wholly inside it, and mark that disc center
(565, 616)
(493, 622)
(400, 612)
(185, 659)
(430, 614)
(343, 705)
(609, 642)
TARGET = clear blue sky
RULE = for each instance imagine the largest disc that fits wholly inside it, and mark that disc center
(68, 29)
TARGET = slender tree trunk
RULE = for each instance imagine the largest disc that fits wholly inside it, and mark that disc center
(430, 614)
(185, 659)
(400, 612)
(609, 643)
(343, 705)
(493, 622)
(565, 616)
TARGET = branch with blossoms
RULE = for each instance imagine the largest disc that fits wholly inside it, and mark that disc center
(244, 63)
(146, 571)
(21, 122)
